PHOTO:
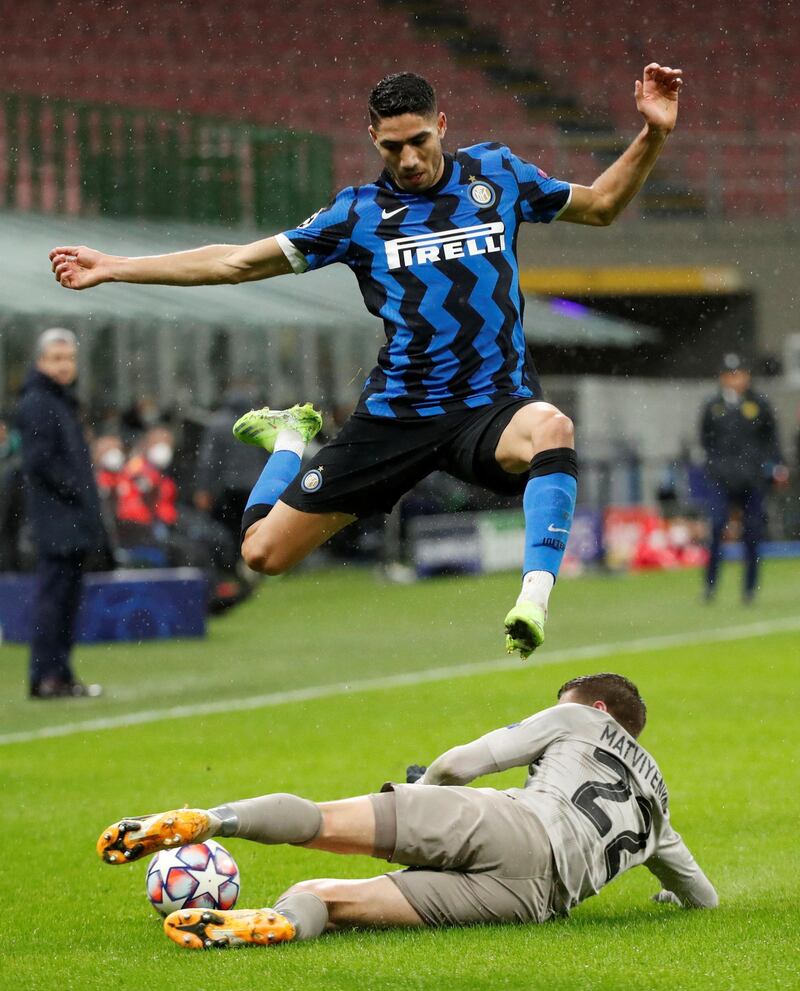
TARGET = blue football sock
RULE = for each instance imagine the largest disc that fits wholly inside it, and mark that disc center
(279, 470)
(549, 503)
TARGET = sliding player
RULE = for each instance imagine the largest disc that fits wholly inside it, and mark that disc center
(594, 805)
(433, 245)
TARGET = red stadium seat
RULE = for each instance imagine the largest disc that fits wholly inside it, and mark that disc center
(299, 64)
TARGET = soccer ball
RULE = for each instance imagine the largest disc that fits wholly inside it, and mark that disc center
(200, 875)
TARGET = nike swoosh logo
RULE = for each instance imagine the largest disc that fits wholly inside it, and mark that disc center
(556, 529)
(391, 213)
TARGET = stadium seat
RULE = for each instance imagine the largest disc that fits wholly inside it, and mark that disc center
(258, 61)
(260, 70)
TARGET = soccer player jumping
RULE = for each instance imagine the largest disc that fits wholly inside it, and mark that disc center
(594, 805)
(432, 243)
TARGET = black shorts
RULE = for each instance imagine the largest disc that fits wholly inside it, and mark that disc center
(374, 460)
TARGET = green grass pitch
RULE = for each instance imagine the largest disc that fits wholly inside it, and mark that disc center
(720, 682)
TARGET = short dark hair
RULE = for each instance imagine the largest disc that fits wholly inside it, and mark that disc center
(620, 694)
(401, 93)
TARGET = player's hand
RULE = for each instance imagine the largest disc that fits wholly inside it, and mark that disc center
(80, 267)
(414, 772)
(665, 897)
(657, 96)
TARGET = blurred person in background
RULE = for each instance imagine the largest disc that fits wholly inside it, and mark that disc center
(63, 508)
(739, 435)
(108, 457)
(142, 415)
(797, 442)
(155, 529)
(226, 470)
(11, 497)
(147, 497)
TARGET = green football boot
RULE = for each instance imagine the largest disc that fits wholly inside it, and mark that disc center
(524, 629)
(260, 427)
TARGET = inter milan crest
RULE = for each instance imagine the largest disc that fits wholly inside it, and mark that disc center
(312, 480)
(481, 194)
(310, 220)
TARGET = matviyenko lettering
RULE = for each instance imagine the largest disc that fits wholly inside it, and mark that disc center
(460, 242)
(637, 758)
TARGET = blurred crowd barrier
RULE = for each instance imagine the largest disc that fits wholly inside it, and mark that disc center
(123, 604)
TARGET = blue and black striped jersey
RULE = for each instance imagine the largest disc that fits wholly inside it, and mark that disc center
(440, 268)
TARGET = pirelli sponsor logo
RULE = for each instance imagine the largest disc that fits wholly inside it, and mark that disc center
(461, 242)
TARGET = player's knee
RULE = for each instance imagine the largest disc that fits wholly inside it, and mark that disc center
(253, 556)
(326, 889)
(554, 429)
(560, 430)
(260, 556)
(302, 887)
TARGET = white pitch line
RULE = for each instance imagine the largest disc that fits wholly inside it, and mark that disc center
(404, 680)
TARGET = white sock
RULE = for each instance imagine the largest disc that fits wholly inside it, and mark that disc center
(536, 588)
(289, 439)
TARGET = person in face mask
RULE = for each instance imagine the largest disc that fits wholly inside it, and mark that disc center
(160, 448)
(147, 496)
(108, 457)
(12, 495)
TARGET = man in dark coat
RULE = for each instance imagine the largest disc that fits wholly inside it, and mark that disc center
(11, 498)
(63, 508)
(743, 458)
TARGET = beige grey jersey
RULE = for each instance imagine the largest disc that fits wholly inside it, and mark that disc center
(599, 795)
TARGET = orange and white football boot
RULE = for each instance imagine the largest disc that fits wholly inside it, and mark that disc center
(200, 929)
(138, 836)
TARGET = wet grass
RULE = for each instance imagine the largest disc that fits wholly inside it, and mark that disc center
(722, 723)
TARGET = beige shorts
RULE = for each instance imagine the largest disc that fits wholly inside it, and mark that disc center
(476, 854)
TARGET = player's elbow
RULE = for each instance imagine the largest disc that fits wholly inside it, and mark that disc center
(708, 898)
(233, 268)
(235, 274)
(701, 893)
(705, 903)
(447, 770)
(604, 215)
(603, 210)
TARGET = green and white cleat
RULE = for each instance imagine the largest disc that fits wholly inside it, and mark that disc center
(260, 427)
(524, 629)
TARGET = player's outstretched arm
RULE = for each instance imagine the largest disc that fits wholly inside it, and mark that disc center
(512, 746)
(699, 892)
(460, 765)
(216, 264)
(657, 101)
(682, 881)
